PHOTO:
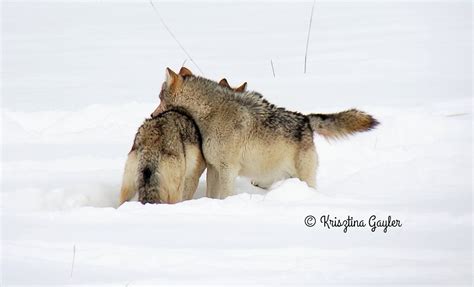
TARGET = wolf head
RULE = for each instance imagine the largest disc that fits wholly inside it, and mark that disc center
(180, 91)
(161, 166)
(183, 73)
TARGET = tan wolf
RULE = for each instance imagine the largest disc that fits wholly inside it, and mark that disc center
(130, 176)
(243, 134)
(165, 162)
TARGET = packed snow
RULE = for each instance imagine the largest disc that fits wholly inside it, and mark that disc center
(79, 78)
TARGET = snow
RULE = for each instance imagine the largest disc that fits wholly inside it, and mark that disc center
(79, 78)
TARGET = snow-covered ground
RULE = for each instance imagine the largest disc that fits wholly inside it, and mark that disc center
(79, 78)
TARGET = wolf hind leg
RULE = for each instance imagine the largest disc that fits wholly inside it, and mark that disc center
(306, 166)
(129, 182)
(192, 177)
(190, 184)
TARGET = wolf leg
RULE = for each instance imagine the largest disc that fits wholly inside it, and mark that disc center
(129, 181)
(190, 186)
(192, 176)
(212, 178)
(306, 165)
(222, 166)
(226, 181)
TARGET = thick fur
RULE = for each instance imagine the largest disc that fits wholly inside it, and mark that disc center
(184, 72)
(243, 134)
(129, 179)
(342, 124)
(165, 162)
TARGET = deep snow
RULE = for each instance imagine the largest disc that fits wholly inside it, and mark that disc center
(79, 78)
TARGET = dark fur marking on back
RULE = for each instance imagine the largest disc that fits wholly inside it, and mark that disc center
(288, 123)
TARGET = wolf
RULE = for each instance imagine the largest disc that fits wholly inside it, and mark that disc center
(243, 134)
(165, 162)
(131, 173)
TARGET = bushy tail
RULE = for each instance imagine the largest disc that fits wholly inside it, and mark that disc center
(342, 124)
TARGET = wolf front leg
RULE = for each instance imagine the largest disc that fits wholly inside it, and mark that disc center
(226, 181)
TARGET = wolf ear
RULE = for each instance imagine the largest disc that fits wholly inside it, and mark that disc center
(224, 83)
(172, 79)
(183, 72)
(242, 88)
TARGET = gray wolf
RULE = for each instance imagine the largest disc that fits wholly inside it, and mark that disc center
(165, 162)
(131, 173)
(243, 134)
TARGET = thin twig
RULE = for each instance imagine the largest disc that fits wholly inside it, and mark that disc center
(309, 33)
(273, 69)
(73, 258)
(174, 37)
(184, 62)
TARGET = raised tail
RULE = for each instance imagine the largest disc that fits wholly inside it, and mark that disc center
(341, 124)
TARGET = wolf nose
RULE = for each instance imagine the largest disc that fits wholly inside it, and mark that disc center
(146, 175)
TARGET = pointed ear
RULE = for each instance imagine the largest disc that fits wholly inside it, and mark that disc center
(172, 79)
(224, 83)
(242, 88)
(183, 72)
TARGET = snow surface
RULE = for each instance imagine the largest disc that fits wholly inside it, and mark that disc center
(79, 78)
